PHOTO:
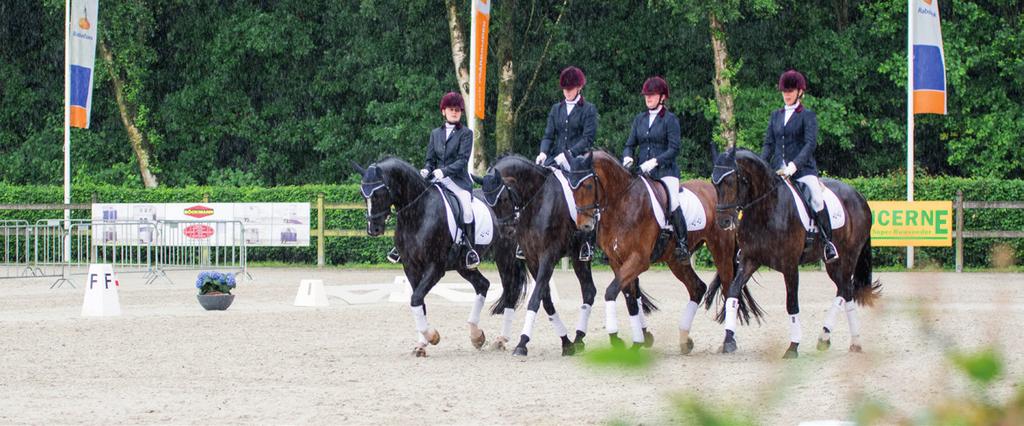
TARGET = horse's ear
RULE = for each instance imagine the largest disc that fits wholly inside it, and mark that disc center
(714, 151)
(479, 180)
(358, 168)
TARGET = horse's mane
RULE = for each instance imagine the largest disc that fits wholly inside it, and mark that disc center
(392, 160)
(752, 157)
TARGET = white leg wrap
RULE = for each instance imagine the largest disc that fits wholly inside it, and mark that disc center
(478, 305)
(420, 316)
(794, 328)
(559, 325)
(611, 320)
(506, 326)
(851, 317)
(531, 316)
(830, 317)
(686, 321)
(637, 328)
(584, 318)
(732, 306)
(643, 318)
(421, 339)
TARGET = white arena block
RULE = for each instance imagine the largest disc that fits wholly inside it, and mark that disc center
(101, 298)
(311, 293)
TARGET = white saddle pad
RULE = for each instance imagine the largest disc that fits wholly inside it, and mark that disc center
(659, 212)
(567, 192)
(481, 215)
(836, 213)
(693, 210)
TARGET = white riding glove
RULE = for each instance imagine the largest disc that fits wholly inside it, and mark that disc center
(788, 170)
(438, 174)
(627, 161)
(560, 159)
(540, 158)
(424, 173)
(649, 165)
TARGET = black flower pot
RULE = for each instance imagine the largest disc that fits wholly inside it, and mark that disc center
(215, 302)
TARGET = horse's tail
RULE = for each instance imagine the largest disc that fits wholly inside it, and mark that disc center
(646, 302)
(513, 292)
(865, 292)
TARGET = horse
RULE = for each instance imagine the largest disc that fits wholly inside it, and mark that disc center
(615, 201)
(770, 233)
(426, 246)
(531, 207)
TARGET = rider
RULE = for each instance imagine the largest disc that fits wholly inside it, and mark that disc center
(655, 140)
(447, 163)
(789, 145)
(572, 125)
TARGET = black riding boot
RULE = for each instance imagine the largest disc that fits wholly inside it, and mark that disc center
(825, 227)
(682, 245)
(394, 256)
(472, 258)
(587, 248)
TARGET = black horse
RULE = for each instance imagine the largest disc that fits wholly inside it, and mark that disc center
(770, 234)
(531, 207)
(423, 240)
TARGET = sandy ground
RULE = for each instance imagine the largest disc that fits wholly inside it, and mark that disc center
(165, 360)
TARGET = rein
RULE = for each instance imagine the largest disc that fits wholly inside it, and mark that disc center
(386, 212)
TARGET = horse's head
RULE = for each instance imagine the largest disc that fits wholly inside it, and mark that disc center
(729, 184)
(585, 190)
(504, 200)
(378, 198)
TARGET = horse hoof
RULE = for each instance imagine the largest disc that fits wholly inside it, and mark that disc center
(729, 346)
(419, 352)
(568, 350)
(636, 346)
(856, 349)
(791, 354)
(687, 347)
(617, 343)
(579, 346)
(433, 336)
(519, 351)
(499, 344)
(648, 339)
(478, 340)
(823, 345)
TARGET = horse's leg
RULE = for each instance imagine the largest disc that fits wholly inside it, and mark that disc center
(696, 289)
(844, 297)
(611, 319)
(425, 334)
(542, 275)
(648, 337)
(792, 277)
(480, 286)
(563, 334)
(635, 322)
(732, 301)
(588, 290)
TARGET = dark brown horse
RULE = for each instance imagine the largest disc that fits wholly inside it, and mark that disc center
(769, 233)
(617, 203)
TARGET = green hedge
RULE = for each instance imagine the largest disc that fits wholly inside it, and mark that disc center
(340, 250)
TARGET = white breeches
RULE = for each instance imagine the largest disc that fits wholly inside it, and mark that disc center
(672, 184)
(465, 199)
(814, 184)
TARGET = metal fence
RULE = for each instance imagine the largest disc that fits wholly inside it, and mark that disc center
(151, 248)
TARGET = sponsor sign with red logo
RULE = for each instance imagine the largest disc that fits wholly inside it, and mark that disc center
(198, 231)
(198, 211)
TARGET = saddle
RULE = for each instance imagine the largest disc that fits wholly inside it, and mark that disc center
(659, 203)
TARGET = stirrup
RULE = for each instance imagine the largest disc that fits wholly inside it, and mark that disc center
(683, 254)
(472, 259)
(394, 256)
(830, 249)
(519, 252)
(586, 252)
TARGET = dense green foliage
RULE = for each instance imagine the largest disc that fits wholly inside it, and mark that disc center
(339, 250)
(286, 92)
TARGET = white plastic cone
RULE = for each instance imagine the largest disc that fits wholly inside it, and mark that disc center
(101, 292)
(311, 293)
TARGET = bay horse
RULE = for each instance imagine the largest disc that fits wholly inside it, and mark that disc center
(616, 202)
(426, 246)
(770, 233)
(529, 202)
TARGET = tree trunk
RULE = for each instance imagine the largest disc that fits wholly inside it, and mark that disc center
(139, 143)
(724, 91)
(505, 117)
(478, 164)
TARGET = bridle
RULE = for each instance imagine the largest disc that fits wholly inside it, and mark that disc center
(378, 184)
(737, 206)
(518, 206)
